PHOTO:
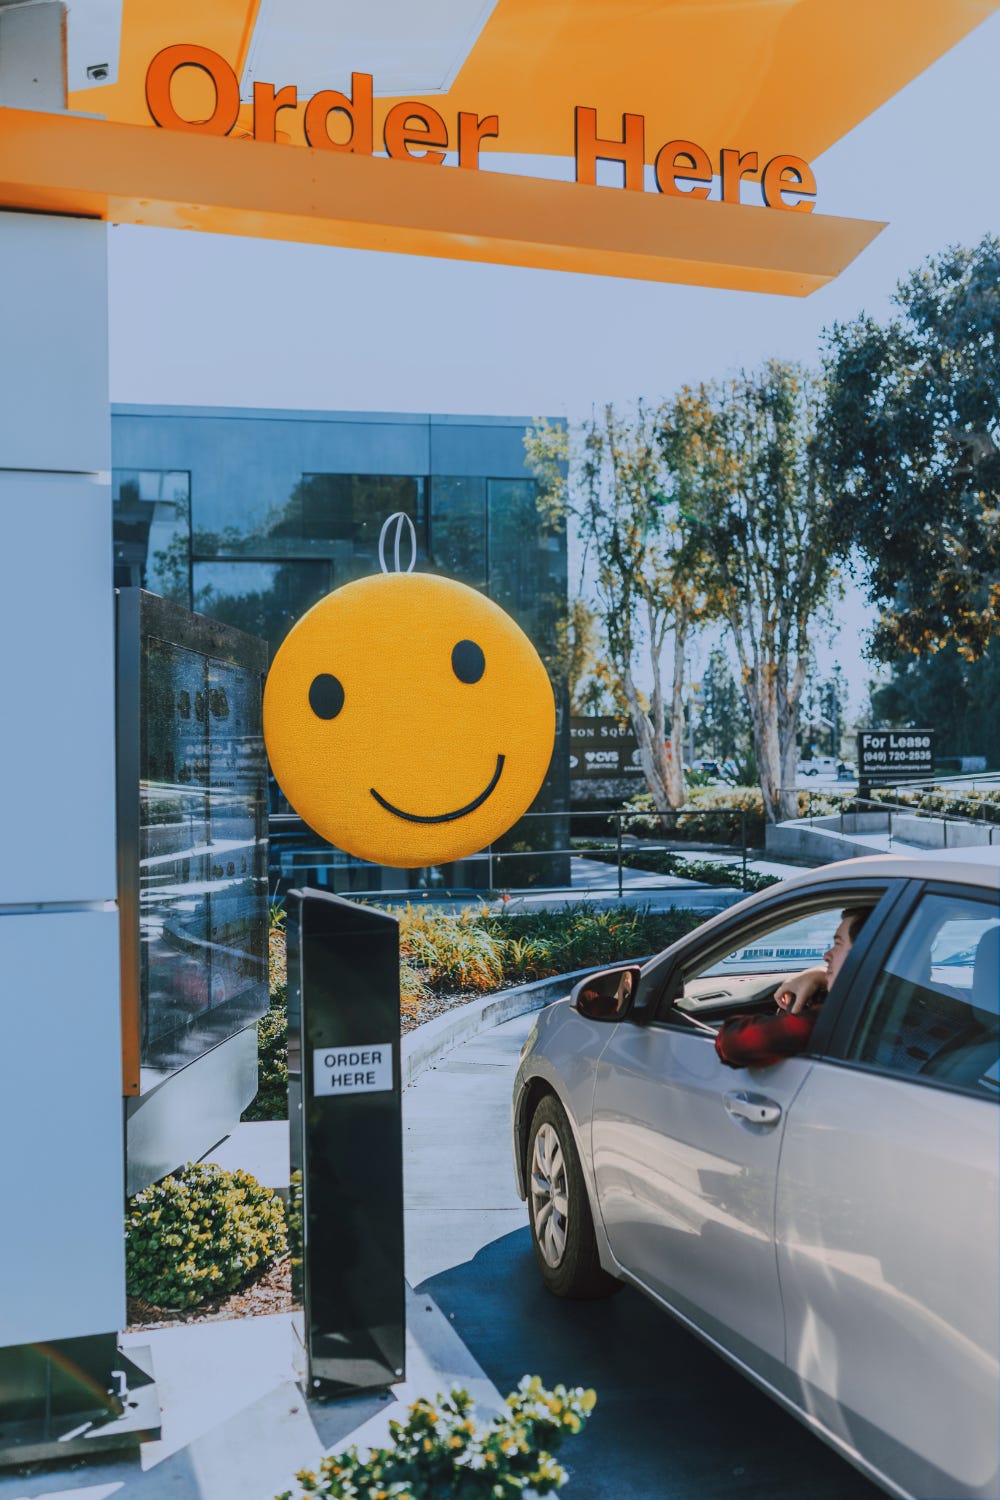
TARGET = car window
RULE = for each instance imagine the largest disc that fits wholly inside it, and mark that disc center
(933, 1012)
(746, 976)
(793, 945)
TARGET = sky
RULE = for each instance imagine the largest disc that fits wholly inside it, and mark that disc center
(212, 320)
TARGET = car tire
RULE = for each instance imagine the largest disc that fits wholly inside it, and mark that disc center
(562, 1227)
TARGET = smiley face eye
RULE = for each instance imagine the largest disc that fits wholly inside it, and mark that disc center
(468, 662)
(326, 696)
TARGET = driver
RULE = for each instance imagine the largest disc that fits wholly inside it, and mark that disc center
(757, 1041)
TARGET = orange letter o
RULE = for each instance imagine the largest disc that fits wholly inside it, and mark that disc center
(188, 55)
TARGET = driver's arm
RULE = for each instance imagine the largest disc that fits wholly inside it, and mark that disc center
(798, 991)
(758, 1041)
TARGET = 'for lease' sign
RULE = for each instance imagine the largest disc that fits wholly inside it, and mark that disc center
(359, 1069)
(888, 756)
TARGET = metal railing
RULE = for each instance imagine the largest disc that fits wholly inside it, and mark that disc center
(536, 865)
(982, 813)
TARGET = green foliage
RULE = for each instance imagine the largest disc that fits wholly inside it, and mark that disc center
(723, 726)
(710, 815)
(271, 1099)
(983, 806)
(910, 448)
(583, 936)
(199, 1234)
(482, 950)
(709, 871)
(651, 577)
(454, 951)
(958, 698)
(745, 475)
(713, 815)
(438, 1453)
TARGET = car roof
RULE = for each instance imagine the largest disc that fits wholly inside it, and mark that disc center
(978, 865)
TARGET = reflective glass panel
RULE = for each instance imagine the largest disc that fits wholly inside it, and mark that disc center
(263, 598)
(202, 853)
(152, 531)
(458, 528)
(935, 1010)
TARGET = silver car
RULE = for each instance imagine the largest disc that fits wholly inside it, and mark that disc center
(828, 1223)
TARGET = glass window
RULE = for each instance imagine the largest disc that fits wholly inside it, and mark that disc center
(203, 852)
(746, 976)
(458, 528)
(263, 598)
(333, 516)
(152, 530)
(934, 1010)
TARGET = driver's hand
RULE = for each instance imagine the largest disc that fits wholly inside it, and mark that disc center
(796, 993)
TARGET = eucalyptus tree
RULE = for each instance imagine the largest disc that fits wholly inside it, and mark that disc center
(649, 576)
(744, 474)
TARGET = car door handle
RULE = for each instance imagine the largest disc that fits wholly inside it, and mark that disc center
(756, 1108)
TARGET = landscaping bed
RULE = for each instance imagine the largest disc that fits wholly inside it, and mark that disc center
(446, 961)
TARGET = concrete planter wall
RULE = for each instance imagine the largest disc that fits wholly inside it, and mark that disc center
(833, 837)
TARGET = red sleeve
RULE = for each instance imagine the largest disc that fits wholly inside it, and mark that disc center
(758, 1041)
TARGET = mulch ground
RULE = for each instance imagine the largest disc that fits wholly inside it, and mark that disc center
(434, 1005)
(269, 1292)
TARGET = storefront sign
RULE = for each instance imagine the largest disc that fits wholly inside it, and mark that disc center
(889, 756)
(602, 747)
(414, 131)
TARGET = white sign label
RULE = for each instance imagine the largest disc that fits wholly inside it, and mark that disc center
(359, 1069)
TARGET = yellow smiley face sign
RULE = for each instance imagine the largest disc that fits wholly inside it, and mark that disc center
(408, 719)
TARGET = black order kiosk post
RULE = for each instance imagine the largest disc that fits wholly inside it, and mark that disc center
(344, 1104)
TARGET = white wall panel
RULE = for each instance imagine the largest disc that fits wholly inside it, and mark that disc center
(57, 749)
(61, 1168)
(54, 341)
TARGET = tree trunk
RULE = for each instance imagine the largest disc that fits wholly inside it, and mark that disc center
(675, 764)
(762, 701)
(651, 756)
(788, 723)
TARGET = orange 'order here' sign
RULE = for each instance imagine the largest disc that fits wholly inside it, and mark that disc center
(415, 131)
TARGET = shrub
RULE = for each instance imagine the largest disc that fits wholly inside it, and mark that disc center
(454, 950)
(199, 1234)
(542, 943)
(271, 1099)
(277, 961)
(709, 814)
(439, 1454)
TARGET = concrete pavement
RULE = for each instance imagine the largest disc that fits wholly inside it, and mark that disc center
(673, 1420)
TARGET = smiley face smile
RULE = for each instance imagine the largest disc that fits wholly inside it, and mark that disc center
(442, 817)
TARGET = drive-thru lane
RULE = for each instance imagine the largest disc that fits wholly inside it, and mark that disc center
(673, 1419)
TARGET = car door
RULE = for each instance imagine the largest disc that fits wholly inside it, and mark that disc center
(686, 1150)
(887, 1209)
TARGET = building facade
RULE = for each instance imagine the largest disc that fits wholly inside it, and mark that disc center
(251, 516)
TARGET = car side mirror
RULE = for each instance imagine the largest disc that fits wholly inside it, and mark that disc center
(607, 995)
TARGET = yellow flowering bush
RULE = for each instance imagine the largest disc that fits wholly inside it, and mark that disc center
(200, 1233)
(438, 1453)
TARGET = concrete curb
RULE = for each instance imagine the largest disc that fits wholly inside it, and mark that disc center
(425, 1044)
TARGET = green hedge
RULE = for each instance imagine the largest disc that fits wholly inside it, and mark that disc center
(198, 1234)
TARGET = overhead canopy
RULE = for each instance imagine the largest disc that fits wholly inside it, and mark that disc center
(762, 80)
(771, 76)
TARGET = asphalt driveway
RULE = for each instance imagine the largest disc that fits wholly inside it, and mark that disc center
(673, 1420)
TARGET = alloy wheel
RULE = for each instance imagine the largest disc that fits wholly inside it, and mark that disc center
(549, 1197)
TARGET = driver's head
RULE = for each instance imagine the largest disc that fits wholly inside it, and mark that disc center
(852, 919)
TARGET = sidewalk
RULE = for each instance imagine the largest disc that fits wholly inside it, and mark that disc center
(236, 1427)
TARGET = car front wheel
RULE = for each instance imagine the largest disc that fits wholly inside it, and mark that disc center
(562, 1229)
